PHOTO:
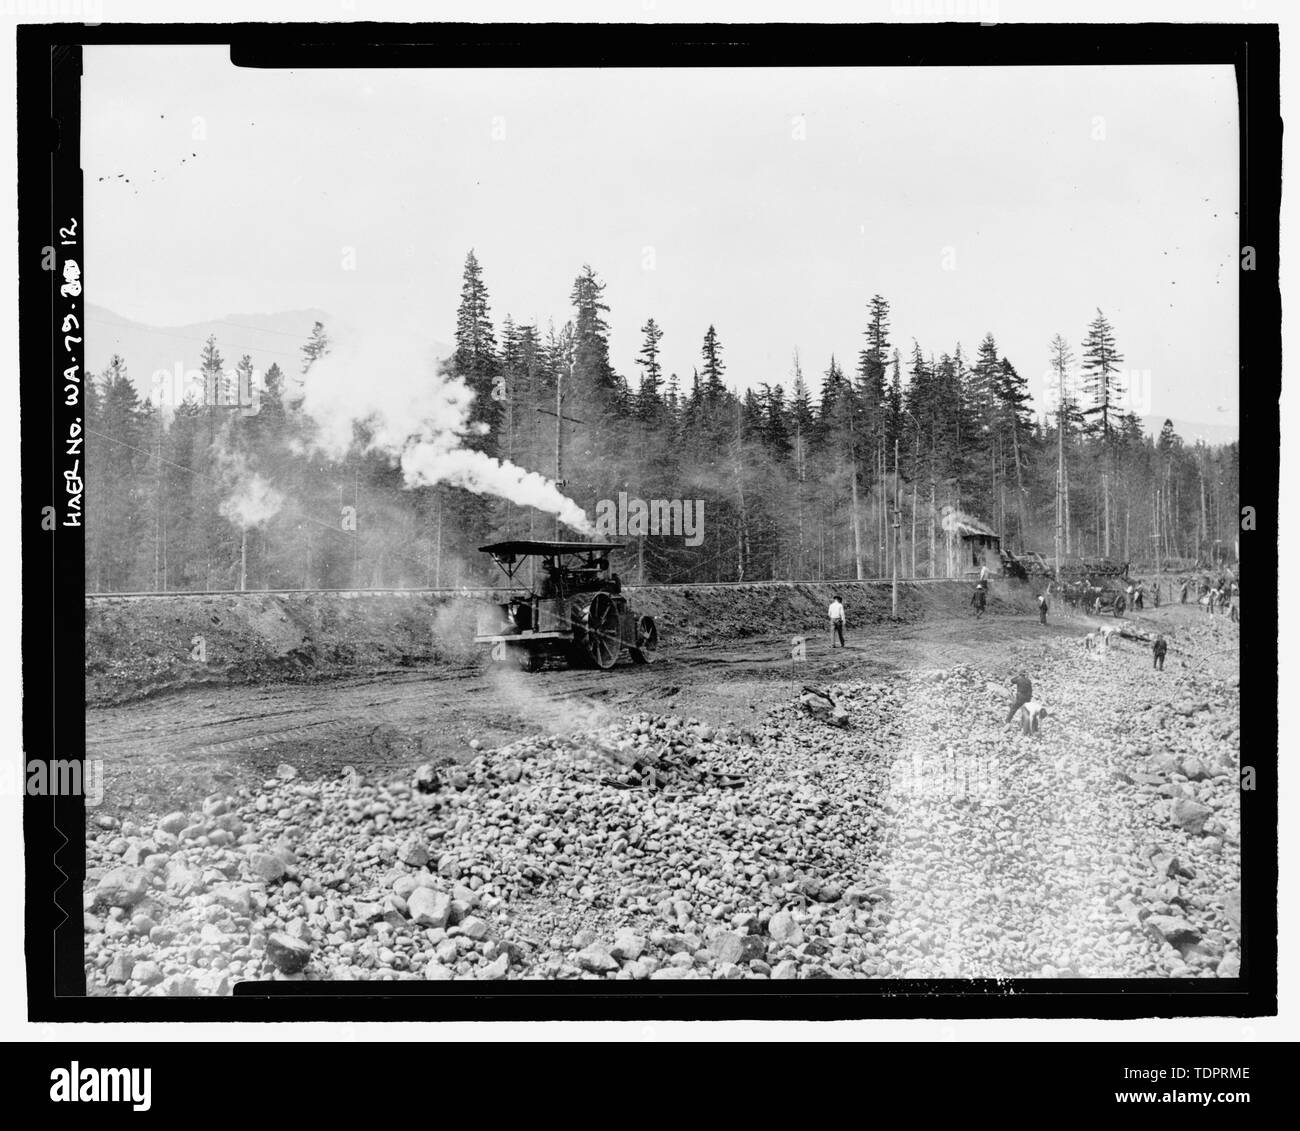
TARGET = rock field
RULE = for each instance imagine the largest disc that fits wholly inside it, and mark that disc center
(925, 839)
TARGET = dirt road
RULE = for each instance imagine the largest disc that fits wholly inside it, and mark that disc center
(187, 744)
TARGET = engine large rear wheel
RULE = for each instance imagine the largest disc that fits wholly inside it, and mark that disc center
(647, 641)
(600, 635)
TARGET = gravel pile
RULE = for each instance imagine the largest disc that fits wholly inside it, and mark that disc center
(924, 839)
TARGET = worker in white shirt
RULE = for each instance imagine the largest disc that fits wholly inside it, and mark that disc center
(836, 613)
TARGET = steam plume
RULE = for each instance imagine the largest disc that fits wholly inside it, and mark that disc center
(253, 502)
(959, 522)
(413, 410)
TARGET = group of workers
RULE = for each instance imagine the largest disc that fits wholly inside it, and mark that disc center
(1222, 594)
(1025, 709)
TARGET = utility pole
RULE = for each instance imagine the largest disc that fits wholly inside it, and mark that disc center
(559, 433)
(1060, 478)
(893, 557)
(243, 558)
(160, 526)
(1157, 538)
(437, 543)
(916, 481)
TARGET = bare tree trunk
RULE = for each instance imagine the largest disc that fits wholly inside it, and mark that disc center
(916, 480)
(1021, 513)
(932, 511)
(856, 516)
(857, 524)
(1205, 532)
(1060, 487)
(437, 546)
(886, 522)
(1065, 499)
(1097, 519)
(1105, 510)
(1175, 528)
(798, 572)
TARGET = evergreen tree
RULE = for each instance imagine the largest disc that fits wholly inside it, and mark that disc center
(211, 366)
(593, 373)
(475, 359)
(713, 368)
(119, 492)
(983, 388)
(775, 423)
(648, 403)
(872, 362)
(318, 345)
(894, 400)
(801, 411)
(1101, 361)
(273, 393)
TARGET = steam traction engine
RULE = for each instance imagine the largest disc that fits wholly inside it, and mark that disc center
(572, 608)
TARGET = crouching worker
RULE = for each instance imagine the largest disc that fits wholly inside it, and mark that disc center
(1022, 691)
(1159, 646)
(1031, 714)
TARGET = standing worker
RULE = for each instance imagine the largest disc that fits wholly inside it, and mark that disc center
(836, 612)
(1022, 691)
(1182, 593)
(1042, 607)
(1159, 647)
(977, 600)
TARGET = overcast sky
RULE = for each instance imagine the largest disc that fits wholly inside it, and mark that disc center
(770, 203)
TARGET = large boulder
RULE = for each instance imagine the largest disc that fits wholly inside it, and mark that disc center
(1174, 930)
(287, 954)
(783, 928)
(428, 907)
(1189, 815)
(123, 886)
(597, 960)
